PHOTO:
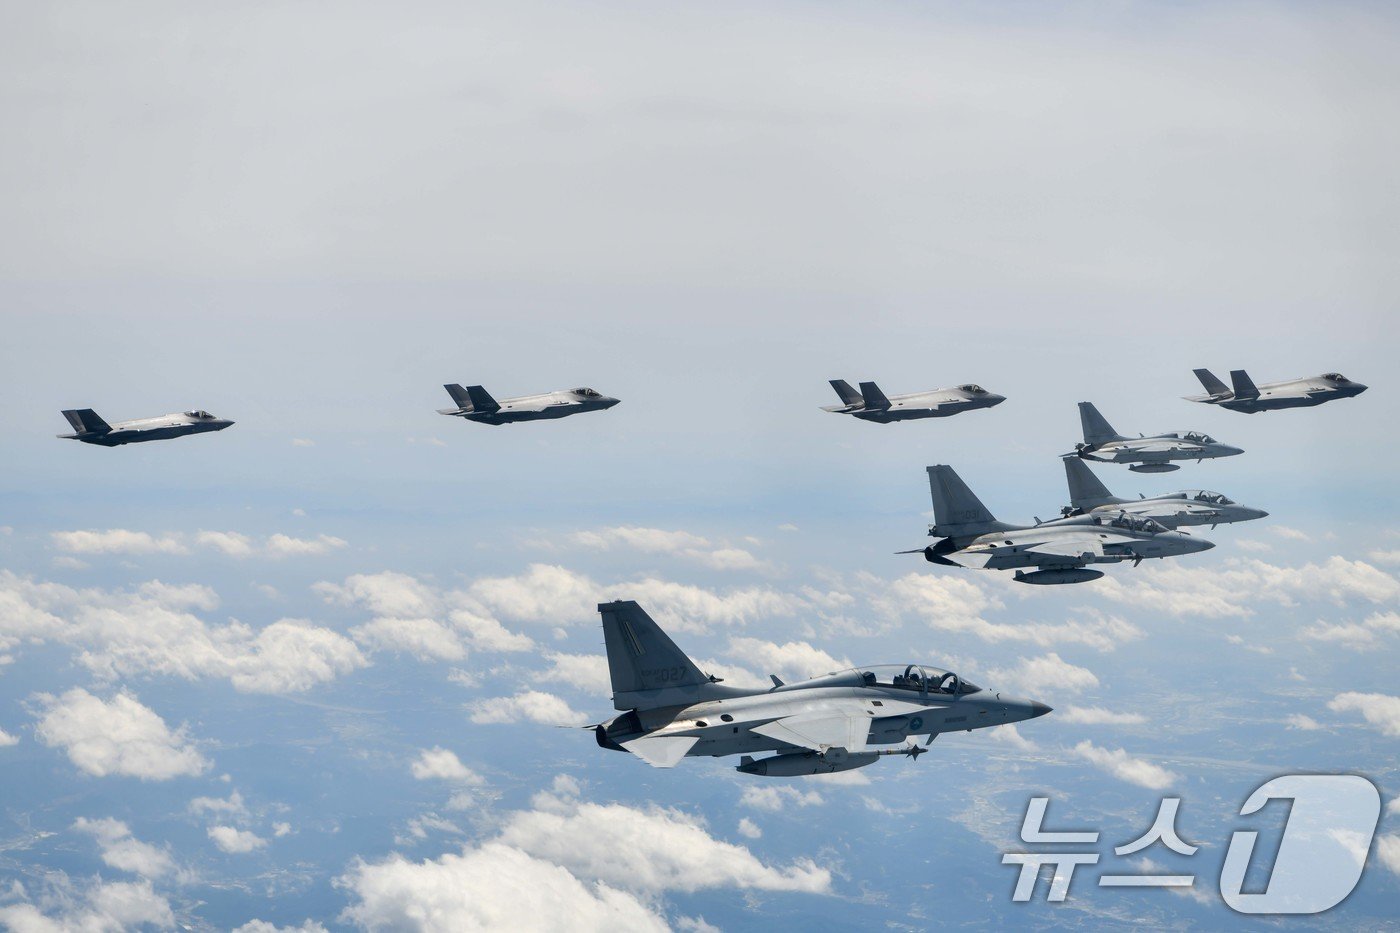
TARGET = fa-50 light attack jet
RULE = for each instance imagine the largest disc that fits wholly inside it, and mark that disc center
(91, 429)
(870, 404)
(1059, 550)
(1145, 454)
(1088, 496)
(670, 709)
(1295, 393)
(476, 404)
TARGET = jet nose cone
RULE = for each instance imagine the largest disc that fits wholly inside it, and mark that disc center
(994, 400)
(1200, 544)
(1039, 709)
(1257, 513)
(612, 401)
(1227, 451)
(1359, 388)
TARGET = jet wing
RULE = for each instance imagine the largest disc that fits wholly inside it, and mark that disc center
(1166, 448)
(661, 751)
(820, 731)
(1074, 547)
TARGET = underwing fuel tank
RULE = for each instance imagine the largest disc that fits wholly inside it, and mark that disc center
(1154, 467)
(800, 763)
(1056, 577)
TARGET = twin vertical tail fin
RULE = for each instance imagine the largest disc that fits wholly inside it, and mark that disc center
(1212, 385)
(848, 395)
(1097, 430)
(1086, 491)
(1244, 386)
(472, 398)
(957, 512)
(86, 421)
(647, 668)
(874, 398)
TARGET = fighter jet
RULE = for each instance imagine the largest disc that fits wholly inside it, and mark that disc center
(1059, 549)
(870, 404)
(476, 404)
(1145, 454)
(91, 429)
(670, 709)
(1295, 393)
(1171, 510)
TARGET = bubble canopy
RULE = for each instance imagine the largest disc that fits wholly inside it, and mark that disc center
(917, 678)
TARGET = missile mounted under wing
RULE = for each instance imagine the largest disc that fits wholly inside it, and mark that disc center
(670, 710)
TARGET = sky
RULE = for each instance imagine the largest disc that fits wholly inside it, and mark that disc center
(310, 672)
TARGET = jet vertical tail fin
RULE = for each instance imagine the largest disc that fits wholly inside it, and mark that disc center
(1097, 430)
(482, 400)
(1244, 386)
(459, 396)
(86, 421)
(848, 395)
(956, 511)
(1212, 385)
(874, 398)
(1086, 491)
(647, 668)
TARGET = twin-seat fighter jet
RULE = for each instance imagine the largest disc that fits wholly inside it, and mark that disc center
(1059, 550)
(91, 429)
(1295, 393)
(870, 404)
(1089, 496)
(670, 709)
(476, 404)
(1146, 454)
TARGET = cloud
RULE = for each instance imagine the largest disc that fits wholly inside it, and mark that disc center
(1304, 723)
(681, 544)
(230, 543)
(280, 545)
(793, 660)
(1388, 852)
(531, 706)
(303, 442)
(263, 926)
(1097, 716)
(443, 764)
(1049, 674)
(7, 739)
(1389, 558)
(116, 737)
(123, 851)
(235, 841)
(776, 797)
(1378, 709)
(415, 617)
(116, 541)
(1290, 534)
(153, 631)
(749, 829)
(587, 672)
(425, 639)
(1122, 765)
(102, 907)
(1348, 635)
(952, 604)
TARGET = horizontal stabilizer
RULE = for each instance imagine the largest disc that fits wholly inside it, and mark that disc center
(1211, 384)
(86, 421)
(661, 751)
(848, 395)
(1244, 386)
(819, 731)
(874, 398)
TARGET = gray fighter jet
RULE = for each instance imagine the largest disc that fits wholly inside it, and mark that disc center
(1145, 454)
(870, 404)
(1088, 496)
(670, 709)
(91, 429)
(1295, 393)
(1060, 550)
(476, 404)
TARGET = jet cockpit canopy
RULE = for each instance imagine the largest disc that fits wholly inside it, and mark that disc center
(200, 415)
(915, 677)
(973, 388)
(1137, 523)
(586, 392)
(1205, 495)
(1336, 377)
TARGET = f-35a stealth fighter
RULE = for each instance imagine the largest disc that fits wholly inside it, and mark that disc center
(870, 404)
(670, 709)
(91, 429)
(474, 403)
(1058, 551)
(1295, 393)
(1145, 454)
(1089, 496)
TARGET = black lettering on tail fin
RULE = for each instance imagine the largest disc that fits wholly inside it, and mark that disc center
(86, 421)
(482, 400)
(848, 395)
(1212, 385)
(874, 398)
(1086, 491)
(1097, 430)
(956, 511)
(641, 657)
(1244, 386)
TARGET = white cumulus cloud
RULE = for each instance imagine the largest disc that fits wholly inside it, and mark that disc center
(531, 706)
(235, 841)
(1379, 709)
(442, 764)
(119, 736)
(1120, 764)
(123, 851)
